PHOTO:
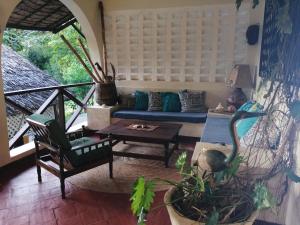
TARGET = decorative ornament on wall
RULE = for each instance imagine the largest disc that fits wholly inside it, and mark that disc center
(252, 34)
(280, 51)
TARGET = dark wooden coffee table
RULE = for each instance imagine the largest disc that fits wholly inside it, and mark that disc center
(165, 134)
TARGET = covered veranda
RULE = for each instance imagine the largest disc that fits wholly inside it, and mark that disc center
(23, 200)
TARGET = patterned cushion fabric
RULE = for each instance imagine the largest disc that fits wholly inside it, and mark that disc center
(155, 101)
(244, 125)
(171, 102)
(192, 101)
(141, 100)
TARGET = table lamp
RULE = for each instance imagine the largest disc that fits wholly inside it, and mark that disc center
(239, 77)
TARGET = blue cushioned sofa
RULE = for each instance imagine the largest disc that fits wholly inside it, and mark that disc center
(193, 122)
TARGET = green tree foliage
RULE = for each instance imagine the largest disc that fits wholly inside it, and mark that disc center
(48, 52)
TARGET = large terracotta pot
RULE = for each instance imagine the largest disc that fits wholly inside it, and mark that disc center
(178, 219)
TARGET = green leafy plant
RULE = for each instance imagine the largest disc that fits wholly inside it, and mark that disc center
(211, 198)
(48, 52)
(142, 198)
(263, 199)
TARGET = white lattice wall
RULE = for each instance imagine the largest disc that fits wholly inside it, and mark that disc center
(198, 44)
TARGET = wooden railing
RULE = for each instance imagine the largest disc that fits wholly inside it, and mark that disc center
(59, 93)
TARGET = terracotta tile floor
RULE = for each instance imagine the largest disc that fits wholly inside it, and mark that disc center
(24, 201)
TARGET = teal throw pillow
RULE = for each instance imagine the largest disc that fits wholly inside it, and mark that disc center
(141, 100)
(244, 125)
(171, 102)
(246, 106)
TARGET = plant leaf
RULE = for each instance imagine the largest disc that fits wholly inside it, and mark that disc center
(199, 184)
(263, 199)
(137, 196)
(234, 167)
(181, 161)
(142, 198)
(213, 219)
(294, 177)
(149, 195)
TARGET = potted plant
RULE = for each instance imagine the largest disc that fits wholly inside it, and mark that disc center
(203, 198)
(213, 194)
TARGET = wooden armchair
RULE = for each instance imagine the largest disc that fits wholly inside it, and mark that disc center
(68, 154)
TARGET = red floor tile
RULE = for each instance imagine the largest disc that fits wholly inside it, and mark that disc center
(42, 216)
(23, 220)
(66, 211)
(71, 220)
(24, 201)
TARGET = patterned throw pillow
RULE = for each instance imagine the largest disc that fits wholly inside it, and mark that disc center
(192, 101)
(155, 101)
(141, 100)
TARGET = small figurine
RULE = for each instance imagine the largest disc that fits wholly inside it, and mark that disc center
(219, 108)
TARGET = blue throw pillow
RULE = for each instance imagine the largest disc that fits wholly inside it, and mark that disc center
(141, 100)
(171, 102)
(244, 125)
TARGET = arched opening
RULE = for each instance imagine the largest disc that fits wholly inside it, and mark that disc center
(87, 29)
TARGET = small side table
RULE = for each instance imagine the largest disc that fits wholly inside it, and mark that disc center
(99, 117)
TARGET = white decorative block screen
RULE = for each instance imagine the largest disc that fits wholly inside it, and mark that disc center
(198, 44)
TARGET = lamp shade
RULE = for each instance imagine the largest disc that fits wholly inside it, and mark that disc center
(240, 77)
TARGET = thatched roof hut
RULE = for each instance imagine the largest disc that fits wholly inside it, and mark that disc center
(20, 74)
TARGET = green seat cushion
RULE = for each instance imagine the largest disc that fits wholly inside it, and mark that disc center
(141, 100)
(171, 102)
(56, 132)
(86, 156)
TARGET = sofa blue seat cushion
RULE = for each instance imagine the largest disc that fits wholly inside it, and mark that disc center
(161, 116)
(216, 130)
